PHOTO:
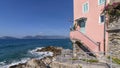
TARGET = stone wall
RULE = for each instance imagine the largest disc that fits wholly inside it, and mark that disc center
(114, 25)
(114, 35)
(78, 65)
(114, 38)
(63, 65)
(114, 43)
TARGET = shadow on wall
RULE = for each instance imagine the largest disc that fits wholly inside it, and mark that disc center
(85, 49)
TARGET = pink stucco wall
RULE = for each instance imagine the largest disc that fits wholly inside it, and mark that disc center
(94, 29)
(93, 46)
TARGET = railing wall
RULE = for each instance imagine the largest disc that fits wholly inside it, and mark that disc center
(76, 35)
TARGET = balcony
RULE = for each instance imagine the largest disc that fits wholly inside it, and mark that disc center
(85, 40)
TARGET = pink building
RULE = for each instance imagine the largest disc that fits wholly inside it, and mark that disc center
(89, 25)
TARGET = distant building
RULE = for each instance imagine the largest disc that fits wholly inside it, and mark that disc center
(89, 25)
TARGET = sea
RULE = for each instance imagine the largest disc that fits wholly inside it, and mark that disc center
(15, 51)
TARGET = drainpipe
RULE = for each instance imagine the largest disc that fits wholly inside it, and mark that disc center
(105, 30)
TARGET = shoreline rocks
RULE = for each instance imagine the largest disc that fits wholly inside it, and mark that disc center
(40, 63)
(56, 50)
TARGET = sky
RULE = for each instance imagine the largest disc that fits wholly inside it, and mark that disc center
(35, 17)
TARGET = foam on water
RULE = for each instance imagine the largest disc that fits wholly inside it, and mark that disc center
(38, 55)
(4, 65)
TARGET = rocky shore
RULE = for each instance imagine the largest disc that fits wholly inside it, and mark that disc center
(60, 58)
(41, 63)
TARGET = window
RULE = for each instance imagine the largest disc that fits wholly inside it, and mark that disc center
(85, 7)
(102, 18)
(82, 26)
(100, 2)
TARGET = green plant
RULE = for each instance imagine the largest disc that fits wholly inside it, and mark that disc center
(73, 58)
(90, 60)
(116, 60)
(113, 11)
(108, 57)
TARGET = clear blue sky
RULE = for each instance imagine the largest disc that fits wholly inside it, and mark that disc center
(35, 17)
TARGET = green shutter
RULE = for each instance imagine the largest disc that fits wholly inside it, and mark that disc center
(82, 27)
(85, 7)
(101, 2)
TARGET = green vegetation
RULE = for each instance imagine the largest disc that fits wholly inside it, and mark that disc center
(90, 60)
(74, 59)
(87, 60)
(108, 57)
(116, 60)
(113, 11)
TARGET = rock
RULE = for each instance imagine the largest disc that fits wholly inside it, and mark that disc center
(47, 60)
(56, 50)
(20, 65)
(33, 63)
(42, 63)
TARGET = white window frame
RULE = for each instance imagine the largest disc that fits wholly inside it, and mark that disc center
(83, 7)
(100, 3)
(100, 19)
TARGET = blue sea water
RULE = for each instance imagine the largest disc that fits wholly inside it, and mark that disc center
(13, 51)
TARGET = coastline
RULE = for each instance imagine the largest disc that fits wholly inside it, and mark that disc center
(14, 52)
(48, 56)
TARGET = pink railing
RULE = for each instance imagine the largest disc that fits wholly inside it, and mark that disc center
(89, 43)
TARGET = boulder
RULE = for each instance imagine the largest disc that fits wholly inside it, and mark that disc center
(40, 63)
(34, 63)
(56, 50)
(20, 65)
